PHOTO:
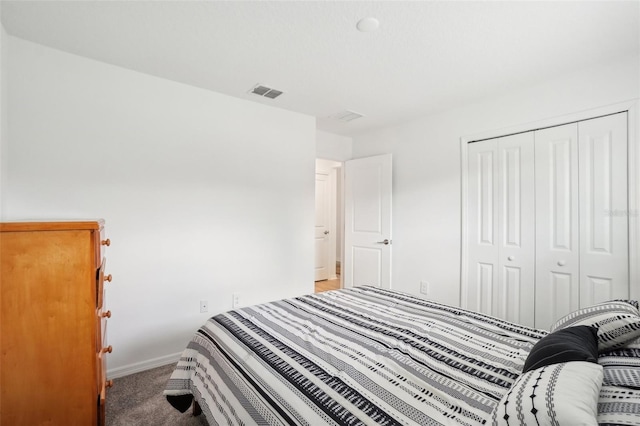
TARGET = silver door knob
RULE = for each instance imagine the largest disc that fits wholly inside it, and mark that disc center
(561, 262)
(510, 258)
(385, 242)
(326, 232)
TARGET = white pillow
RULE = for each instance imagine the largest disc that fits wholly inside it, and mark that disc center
(565, 394)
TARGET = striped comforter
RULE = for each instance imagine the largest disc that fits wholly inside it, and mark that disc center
(353, 356)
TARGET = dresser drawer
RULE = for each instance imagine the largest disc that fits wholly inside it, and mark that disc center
(101, 328)
(102, 407)
(102, 347)
(101, 371)
(102, 353)
(101, 243)
(100, 289)
(103, 384)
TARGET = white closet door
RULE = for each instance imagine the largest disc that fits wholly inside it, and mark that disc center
(516, 287)
(557, 229)
(501, 228)
(483, 222)
(604, 262)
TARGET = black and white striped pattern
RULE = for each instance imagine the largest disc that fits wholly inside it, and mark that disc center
(618, 322)
(372, 356)
(618, 406)
(353, 356)
(621, 367)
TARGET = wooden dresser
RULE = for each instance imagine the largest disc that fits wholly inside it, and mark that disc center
(53, 323)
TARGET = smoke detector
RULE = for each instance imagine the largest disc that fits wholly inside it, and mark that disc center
(264, 91)
(347, 116)
(367, 25)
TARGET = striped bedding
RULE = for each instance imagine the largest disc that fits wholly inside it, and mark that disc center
(353, 356)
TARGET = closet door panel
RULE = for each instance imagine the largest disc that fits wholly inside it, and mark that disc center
(482, 225)
(515, 292)
(509, 300)
(564, 295)
(604, 273)
(557, 229)
(501, 228)
(486, 282)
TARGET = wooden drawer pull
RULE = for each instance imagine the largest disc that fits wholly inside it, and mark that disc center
(108, 384)
(108, 349)
(108, 278)
(106, 314)
(106, 242)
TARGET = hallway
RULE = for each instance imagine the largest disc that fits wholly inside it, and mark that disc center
(327, 285)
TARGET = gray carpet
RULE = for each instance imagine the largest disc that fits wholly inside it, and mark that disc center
(137, 400)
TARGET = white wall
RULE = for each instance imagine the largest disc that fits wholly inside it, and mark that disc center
(179, 175)
(330, 146)
(426, 164)
(4, 157)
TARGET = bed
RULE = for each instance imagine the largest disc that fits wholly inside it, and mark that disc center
(375, 356)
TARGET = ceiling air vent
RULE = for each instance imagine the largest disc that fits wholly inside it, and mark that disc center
(265, 91)
(347, 116)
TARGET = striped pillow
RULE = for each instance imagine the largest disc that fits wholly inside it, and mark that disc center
(618, 406)
(622, 366)
(618, 322)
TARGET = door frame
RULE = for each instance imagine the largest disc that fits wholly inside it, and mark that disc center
(633, 164)
(337, 169)
(323, 247)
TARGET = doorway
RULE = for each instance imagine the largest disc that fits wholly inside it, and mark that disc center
(328, 225)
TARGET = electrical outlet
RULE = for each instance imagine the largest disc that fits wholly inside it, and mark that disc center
(235, 302)
(204, 306)
(424, 287)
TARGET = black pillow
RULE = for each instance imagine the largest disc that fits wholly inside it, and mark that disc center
(579, 343)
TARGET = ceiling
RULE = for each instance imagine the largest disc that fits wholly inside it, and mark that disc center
(426, 56)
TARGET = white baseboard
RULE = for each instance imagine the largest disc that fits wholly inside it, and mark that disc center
(137, 367)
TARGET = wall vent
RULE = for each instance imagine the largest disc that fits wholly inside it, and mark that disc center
(264, 91)
(347, 116)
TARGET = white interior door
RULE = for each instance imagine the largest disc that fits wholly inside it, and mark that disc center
(557, 228)
(367, 254)
(604, 240)
(323, 226)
